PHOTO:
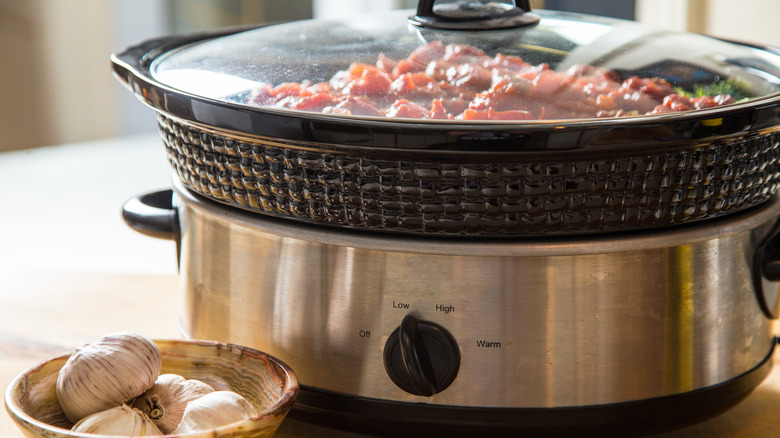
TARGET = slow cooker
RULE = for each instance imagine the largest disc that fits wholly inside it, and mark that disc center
(475, 217)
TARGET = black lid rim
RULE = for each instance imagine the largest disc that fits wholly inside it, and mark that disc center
(132, 67)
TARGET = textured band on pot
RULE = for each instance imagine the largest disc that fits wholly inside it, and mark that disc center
(567, 196)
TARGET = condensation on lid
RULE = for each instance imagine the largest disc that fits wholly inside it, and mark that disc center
(573, 66)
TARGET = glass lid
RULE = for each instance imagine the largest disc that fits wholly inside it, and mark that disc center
(550, 66)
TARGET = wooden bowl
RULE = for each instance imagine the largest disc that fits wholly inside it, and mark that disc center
(266, 382)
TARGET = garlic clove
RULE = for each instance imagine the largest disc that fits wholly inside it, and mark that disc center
(107, 373)
(121, 420)
(165, 402)
(212, 410)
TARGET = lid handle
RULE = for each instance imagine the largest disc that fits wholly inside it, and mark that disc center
(474, 15)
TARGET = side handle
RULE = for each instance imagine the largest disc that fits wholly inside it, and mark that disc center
(766, 273)
(153, 214)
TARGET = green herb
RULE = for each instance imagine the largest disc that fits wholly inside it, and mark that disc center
(732, 87)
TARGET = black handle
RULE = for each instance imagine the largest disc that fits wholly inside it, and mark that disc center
(153, 214)
(766, 273)
(474, 15)
(772, 266)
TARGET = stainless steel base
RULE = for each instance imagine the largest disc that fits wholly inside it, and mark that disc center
(539, 323)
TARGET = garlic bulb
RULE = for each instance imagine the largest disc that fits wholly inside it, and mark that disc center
(165, 402)
(215, 409)
(121, 420)
(107, 373)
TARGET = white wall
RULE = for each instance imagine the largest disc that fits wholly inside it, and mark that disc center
(668, 14)
(343, 8)
(746, 20)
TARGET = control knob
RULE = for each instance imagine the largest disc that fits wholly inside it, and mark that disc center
(421, 357)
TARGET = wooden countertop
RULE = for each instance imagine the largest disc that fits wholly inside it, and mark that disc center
(72, 271)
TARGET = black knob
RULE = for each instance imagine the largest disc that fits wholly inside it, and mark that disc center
(421, 357)
(474, 15)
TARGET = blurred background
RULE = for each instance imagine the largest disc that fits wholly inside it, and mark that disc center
(57, 88)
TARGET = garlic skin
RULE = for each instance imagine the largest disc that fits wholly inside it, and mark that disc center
(107, 373)
(121, 420)
(165, 402)
(212, 410)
